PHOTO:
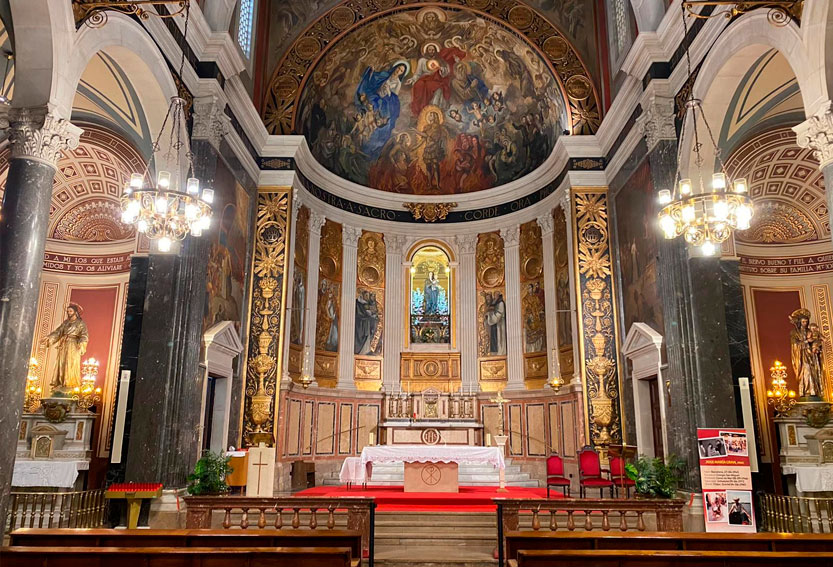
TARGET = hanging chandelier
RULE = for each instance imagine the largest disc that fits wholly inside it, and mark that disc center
(704, 216)
(168, 210)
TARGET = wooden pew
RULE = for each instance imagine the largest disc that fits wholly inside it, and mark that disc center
(174, 557)
(29, 537)
(668, 558)
(526, 540)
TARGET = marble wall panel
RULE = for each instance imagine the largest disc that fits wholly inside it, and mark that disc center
(325, 428)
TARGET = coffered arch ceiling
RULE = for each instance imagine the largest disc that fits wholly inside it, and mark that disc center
(786, 187)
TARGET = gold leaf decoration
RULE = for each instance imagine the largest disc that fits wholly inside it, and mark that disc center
(429, 212)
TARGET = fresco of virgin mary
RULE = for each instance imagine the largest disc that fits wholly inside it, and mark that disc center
(377, 97)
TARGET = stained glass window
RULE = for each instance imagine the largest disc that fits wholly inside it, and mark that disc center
(245, 23)
(430, 302)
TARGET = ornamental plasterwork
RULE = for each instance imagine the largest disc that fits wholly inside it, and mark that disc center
(658, 120)
(210, 121)
(38, 133)
(279, 109)
(816, 133)
(598, 325)
(429, 212)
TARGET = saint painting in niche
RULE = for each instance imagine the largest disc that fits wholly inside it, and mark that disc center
(328, 312)
(299, 297)
(495, 321)
(368, 331)
(430, 312)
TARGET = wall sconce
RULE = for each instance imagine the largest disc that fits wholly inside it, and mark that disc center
(87, 394)
(780, 397)
(31, 403)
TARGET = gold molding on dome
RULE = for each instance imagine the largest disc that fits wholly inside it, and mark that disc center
(265, 322)
(597, 316)
(429, 212)
(561, 57)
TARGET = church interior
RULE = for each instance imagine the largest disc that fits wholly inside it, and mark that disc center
(470, 283)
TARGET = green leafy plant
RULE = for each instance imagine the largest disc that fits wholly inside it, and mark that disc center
(209, 476)
(656, 478)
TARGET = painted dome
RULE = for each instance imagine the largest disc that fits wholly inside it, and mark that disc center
(431, 101)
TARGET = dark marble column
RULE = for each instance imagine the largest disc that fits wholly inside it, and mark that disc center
(37, 139)
(166, 411)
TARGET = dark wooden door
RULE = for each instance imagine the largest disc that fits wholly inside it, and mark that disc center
(656, 417)
(208, 418)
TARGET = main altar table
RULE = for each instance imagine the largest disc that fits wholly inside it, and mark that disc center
(433, 468)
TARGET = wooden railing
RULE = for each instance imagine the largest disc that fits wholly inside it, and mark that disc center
(585, 514)
(241, 512)
(85, 509)
(795, 514)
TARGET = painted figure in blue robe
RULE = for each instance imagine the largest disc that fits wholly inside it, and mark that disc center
(432, 295)
(377, 101)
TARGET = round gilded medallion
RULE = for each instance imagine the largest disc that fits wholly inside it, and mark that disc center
(329, 267)
(579, 87)
(491, 276)
(430, 436)
(370, 276)
(342, 17)
(307, 47)
(270, 234)
(532, 268)
(285, 87)
(555, 47)
(521, 17)
(592, 234)
(479, 4)
(385, 4)
(430, 368)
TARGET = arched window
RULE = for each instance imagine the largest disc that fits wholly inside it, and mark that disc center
(245, 26)
(430, 296)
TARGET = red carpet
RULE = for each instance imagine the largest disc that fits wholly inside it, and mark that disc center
(469, 499)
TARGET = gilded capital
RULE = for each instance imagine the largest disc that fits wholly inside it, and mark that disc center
(816, 133)
(395, 243)
(210, 120)
(658, 120)
(38, 133)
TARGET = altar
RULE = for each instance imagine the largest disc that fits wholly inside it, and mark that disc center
(432, 468)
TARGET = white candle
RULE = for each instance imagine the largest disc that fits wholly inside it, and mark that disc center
(488, 439)
(372, 438)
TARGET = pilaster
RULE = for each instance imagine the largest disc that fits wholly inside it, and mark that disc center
(566, 206)
(546, 223)
(316, 221)
(394, 310)
(514, 320)
(347, 326)
(290, 281)
(467, 248)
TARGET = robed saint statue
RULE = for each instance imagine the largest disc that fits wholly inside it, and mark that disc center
(806, 351)
(70, 340)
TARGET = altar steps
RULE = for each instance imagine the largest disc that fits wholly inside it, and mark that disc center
(433, 539)
(469, 475)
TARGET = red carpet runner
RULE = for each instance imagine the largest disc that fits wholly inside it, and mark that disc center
(469, 499)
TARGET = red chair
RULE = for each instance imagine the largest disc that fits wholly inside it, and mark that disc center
(590, 473)
(619, 476)
(555, 474)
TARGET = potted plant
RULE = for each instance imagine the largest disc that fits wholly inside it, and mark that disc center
(209, 476)
(655, 478)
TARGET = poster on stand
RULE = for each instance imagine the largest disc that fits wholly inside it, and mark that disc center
(726, 479)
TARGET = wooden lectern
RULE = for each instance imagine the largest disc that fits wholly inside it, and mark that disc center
(624, 452)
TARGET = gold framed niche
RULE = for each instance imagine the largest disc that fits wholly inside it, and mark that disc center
(429, 258)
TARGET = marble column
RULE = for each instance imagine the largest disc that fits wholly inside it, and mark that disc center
(394, 310)
(290, 283)
(514, 319)
(546, 223)
(816, 133)
(316, 221)
(37, 137)
(347, 327)
(571, 270)
(467, 278)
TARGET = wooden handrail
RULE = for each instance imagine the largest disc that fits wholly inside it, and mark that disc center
(82, 509)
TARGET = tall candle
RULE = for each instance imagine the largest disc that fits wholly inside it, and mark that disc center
(372, 439)
(488, 439)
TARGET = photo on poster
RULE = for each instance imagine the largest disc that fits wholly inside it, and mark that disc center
(735, 443)
(740, 508)
(711, 447)
(715, 504)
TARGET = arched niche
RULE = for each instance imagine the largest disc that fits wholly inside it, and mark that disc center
(431, 289)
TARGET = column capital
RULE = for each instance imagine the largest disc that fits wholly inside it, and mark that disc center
(657, 120)
(38, 133)
(395, 243)
(564, 201)
(316, 221)
(467, 243)
(816, 133)
(511, 235)
(546, 223)
(297, 203)
(210, 120)
(350, 236)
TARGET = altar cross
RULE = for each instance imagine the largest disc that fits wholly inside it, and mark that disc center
(499, 400)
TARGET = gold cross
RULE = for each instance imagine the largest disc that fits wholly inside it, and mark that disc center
(499, 400)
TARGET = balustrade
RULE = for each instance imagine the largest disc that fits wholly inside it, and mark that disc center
(795, 514)
(84, 509)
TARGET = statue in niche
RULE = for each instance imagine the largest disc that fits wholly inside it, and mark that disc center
(71, 339)
(432, 294)
(806, 354)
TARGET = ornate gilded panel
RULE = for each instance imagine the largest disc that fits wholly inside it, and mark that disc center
(370, 310)
(491, 309)
(493, 373)
(328, 315)
(440, 371)
(297, 315)
(564, 316)
(266, 315)
(532, 298)
(597, 316)
(821, 295)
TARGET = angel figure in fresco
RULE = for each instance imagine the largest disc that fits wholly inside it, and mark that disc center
(71, 339)
(379, 91)
(806, 355)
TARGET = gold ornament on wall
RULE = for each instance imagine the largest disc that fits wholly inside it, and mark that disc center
(265, 316)
(429, 212)
(490, 260)
(329, 264)
(597, 317)
(531, 252)
(371, 260)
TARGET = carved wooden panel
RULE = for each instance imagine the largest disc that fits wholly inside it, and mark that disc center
(419, 371)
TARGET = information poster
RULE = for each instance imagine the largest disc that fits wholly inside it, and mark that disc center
(726, 479)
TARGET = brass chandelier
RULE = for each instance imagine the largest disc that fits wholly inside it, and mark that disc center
(704, 217)
(780, 12)
(166, 211)
(93, 13)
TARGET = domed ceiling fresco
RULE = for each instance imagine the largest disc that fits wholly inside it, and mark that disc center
(431, 101)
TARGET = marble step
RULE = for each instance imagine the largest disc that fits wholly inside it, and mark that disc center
(519, 483)
(435, 556)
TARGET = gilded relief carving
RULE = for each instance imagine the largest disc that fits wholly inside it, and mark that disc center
(297, 316)
(598, 323)
(533, 316)
(440, 371)
(328, 316)
(490, 262)
(265, 319)
(491, 307)
(370, 311)
(821, 293)
(564, 316)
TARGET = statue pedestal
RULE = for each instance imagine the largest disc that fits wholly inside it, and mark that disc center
(806, 449)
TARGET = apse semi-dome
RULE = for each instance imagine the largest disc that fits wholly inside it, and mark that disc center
(431, 100)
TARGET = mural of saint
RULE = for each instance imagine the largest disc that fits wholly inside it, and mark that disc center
(496, 323)
(535, 325)
(367, 323)
(71, 339)
(431, 100)
(327, 335)
(296, 320)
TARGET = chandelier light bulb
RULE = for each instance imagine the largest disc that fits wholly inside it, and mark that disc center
(128, 190)
(721, 209)
(688, 213)
(196, 230)
(707, 248)
(204, 222)
(208, 195)
(664, 197)
(126, 217)
(163, 180)
(740, 185)
(191, 211)
(193, 186)
(743, 216)
(162, 205)
(164, 244)
(685, 187)
(718, 181)
(668, 226)
(137, 180)
(142, 226)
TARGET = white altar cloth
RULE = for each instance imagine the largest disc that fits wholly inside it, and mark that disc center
(460, 454)
(353, 472)
(61, 474)
(814, 479)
